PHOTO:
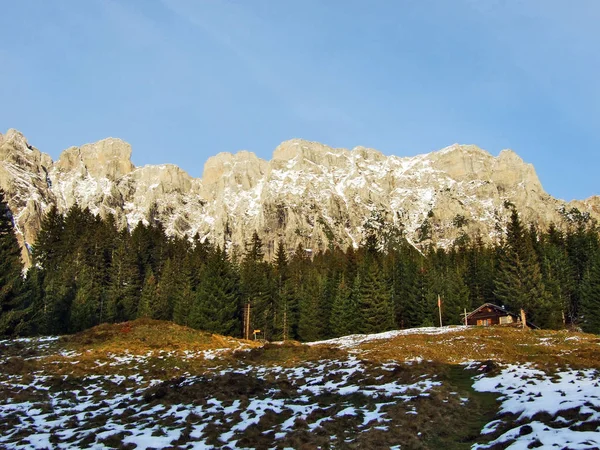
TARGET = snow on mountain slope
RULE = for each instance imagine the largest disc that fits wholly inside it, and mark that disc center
(308, 193)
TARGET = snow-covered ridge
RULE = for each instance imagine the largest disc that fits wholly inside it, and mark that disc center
(308, 193)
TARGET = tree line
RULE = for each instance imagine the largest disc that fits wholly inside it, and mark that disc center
(86, 271)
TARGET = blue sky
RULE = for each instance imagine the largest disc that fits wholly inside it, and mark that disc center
(182, 80)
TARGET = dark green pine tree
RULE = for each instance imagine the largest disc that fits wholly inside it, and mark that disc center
(186, 293)
(84, 311)
(124, 287)
(308, 308)
(581, 241)
(55, 259)
(455, 298)
(374, 300)
(479, 272)
(518, 282)
(11, 302)
(559, 280)
(216, 307)
(298, 267)
(257, 289)
(411, 296)
(33, 295)
(284, 294)
(345, 316)
(330, 284)
(590, 297)
(169, 289)
(147, 303)
(48, 248)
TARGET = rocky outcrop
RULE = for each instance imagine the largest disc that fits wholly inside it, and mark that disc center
(308, 193)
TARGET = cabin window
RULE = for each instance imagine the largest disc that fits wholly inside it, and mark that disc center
(484, 322)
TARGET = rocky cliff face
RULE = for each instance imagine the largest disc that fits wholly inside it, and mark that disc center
(308, 193)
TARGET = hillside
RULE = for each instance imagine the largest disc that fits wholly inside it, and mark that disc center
(308, 193)
(149, 384)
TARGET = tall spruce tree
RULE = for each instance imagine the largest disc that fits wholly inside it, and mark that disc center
(519, 282)
(590, 297)
(147, 303)
(374, 300)
(85, 311)
(257, 288)
(346, 317)
(169, 288)
(308, 308)
(216, 307)
(184, 299)
(11, 302)
(124, 284)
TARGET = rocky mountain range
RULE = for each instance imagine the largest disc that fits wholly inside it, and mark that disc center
(308, 193)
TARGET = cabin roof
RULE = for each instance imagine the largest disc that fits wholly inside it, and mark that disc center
(491, 305)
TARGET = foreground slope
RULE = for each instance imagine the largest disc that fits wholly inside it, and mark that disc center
(149, 384)
(308, 193)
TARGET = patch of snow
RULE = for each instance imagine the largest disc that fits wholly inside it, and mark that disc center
(354, 340)
(527, 392)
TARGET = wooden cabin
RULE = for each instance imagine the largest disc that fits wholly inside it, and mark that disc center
(489, 314)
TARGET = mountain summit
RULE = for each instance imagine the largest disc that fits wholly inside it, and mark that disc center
(309, 193)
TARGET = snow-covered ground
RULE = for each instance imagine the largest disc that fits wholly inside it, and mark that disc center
(558, 410)
(354, 340)
(96, 410)
(344, 399)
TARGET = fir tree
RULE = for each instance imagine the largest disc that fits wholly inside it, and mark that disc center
(147, 301)
(284, 294)
(124, 287)
(169, 288)
(216, 307)
(519, 282)
(590, 297)
(48, 248)
(345, 318)
(411, 299)
(185, 296)
(308, 308)
(256, 289)
(374, 300)
(10, 273)
(84, 311)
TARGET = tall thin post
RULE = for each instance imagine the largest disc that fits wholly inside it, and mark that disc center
(285, 329)
(247, 321)
(466, 315)
(440, 308)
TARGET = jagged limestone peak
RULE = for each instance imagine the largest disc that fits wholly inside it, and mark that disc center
(109, 158)
(309, 193)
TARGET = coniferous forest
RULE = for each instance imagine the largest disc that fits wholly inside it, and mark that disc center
(86, 271)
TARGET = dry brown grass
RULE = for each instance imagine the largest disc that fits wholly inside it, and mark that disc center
(544, 348)
(163, 349)
(289, 354)
(143, 335)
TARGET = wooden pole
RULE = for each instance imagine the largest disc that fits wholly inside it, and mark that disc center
(285, 331)
(466, 315)
(523, 318)
(440, 308)
(247, 321)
